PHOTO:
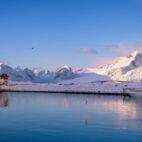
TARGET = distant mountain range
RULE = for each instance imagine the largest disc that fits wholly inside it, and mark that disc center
(124, 69)
(37, 75)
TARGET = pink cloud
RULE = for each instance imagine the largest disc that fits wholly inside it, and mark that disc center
(122, 50)
(125, 49)
(109, 46)
(102, 61)
(139, 47)
(88, 51)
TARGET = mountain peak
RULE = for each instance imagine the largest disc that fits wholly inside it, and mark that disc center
(123, 68)
(134, 54)
(1, 64)
(131, 61)
(65, 67)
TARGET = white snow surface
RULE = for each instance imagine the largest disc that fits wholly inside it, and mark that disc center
(87, 77)
(100, 87)
(126, 68)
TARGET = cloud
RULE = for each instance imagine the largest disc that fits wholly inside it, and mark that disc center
(88, 51)
(139, 47)
(102, 61)
(109, 46)
(120, 49)
(126, 49)
(123, 50)
(115, 51)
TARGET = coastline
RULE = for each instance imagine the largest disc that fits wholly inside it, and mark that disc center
(107, 88)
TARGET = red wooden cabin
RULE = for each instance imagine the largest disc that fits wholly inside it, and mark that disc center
(5, 78)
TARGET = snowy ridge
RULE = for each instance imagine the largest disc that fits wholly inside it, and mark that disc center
(36, 75)
(125, 68)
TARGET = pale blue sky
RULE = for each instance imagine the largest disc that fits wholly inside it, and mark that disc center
(73, 32)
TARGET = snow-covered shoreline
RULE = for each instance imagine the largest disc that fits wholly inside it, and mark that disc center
(88, 88)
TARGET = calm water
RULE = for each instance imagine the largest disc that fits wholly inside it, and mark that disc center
(27, 117)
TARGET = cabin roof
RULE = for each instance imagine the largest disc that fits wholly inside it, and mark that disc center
(4, 76)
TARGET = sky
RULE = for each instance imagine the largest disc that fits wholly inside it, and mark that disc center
(79, 33)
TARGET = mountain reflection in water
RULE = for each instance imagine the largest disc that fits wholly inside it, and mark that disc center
(66, 117)
(124, 106)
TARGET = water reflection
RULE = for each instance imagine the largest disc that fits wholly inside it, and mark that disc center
(81, 117)
(124, 107)
(3, 99)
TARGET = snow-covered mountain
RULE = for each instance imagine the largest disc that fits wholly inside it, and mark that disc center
(124, 68)
(14, 74)
(64, 73)
(87, 78)
(36, 75)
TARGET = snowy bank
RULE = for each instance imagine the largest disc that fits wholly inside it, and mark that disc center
(88, 88)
